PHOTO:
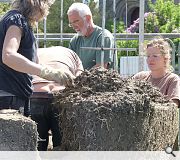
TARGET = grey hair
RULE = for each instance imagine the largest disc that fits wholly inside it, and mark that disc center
(81, 8)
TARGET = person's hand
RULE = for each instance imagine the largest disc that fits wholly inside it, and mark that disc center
(61, 76)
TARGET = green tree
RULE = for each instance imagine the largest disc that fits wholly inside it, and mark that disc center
(53, 22)
(167, 13)
(4, 7)
(163, 18)
(54, 19)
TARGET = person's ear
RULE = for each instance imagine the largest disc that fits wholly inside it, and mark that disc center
(88, 18)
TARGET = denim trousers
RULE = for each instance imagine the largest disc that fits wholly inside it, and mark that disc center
(46, 115)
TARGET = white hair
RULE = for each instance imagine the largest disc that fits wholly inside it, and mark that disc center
(81, 8)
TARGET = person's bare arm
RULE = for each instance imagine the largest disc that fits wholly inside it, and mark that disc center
(12, 58)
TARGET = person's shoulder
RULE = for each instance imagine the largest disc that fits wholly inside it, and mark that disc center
(64, 50)
(16, 14)
(106, 31)
(14, 17)
(173, 76)
(11, 14)
(107, 34)
(54, 49)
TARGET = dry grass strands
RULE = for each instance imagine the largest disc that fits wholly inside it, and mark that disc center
(17, 132)
(103, 111)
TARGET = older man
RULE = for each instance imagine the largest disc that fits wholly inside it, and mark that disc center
(89, 36)
(42, 110)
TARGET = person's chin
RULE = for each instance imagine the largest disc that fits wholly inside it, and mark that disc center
(152, 69)
(151, 66)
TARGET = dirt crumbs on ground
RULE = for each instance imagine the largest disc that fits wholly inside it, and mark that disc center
(103, 111)
(17, 133)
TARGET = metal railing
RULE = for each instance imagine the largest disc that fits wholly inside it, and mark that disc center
(119, 36)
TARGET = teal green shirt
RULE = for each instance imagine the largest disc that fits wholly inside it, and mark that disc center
(90, 57)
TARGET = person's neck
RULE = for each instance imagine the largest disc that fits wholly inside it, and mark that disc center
(90, 30)
(158, 74)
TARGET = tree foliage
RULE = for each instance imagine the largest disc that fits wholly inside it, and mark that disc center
(53, 23)
(168, 15)
(54, 18)
(4, 7)
(163, 17)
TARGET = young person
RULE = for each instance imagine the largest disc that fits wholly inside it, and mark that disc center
(158, 53)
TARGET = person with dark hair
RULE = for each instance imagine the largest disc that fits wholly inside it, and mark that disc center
(90, 37)
(43, 111)
(18, 54)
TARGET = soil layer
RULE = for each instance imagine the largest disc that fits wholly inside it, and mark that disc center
(17, 133)
(104, 112)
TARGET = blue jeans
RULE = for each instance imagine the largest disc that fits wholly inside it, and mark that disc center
(46, 116)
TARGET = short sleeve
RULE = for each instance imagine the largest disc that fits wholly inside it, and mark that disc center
(174, 88)
(108, 43)
(15, 19)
